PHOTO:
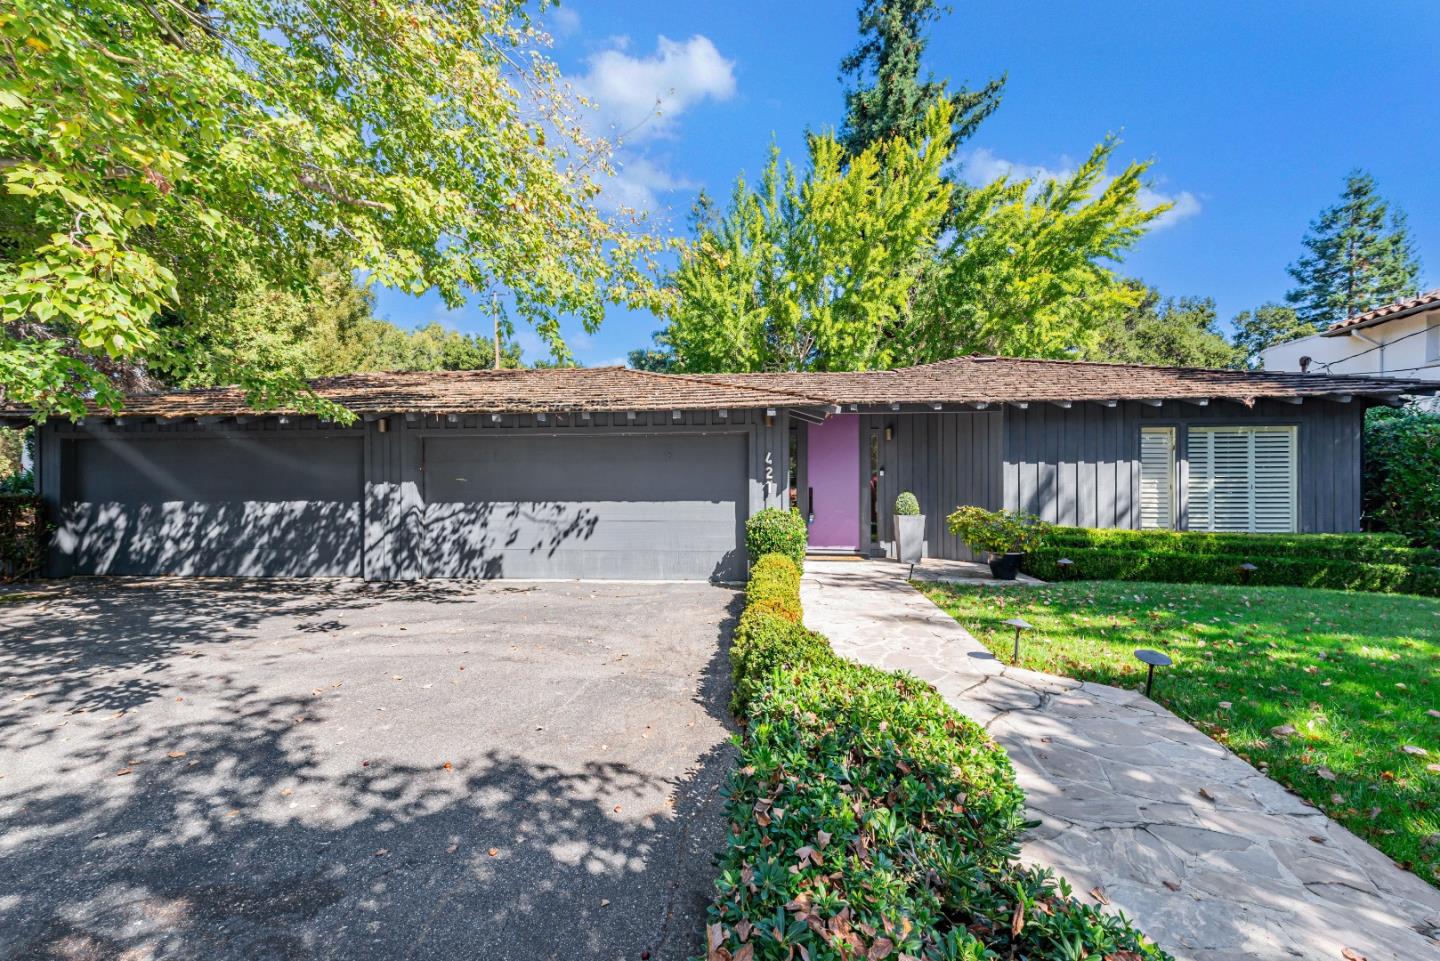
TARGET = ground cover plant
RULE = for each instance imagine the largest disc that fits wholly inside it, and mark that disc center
(1334, 694)
(869, 820)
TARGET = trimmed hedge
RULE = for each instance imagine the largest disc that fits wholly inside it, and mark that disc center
(1380, 548)
(22, 536)
(773, 531)
(871, 820)
(1330, 571)
(774, 587)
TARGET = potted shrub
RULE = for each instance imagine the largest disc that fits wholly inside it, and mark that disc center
(909, 529)
(1003, 536)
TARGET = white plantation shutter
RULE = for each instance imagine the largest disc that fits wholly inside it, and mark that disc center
(1242, 479)
(1157, 477)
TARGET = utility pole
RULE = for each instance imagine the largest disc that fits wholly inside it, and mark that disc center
(495, 314)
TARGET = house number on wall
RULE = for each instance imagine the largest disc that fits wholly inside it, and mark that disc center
(769, 472)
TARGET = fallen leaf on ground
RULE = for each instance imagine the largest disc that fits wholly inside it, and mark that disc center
(1098, 893)
(493, 852)
(176, 754)
(1350, 954)
(124, 771)
(1414, 750)
(1324, 773)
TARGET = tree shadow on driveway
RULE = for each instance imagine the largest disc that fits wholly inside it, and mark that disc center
(241, 819)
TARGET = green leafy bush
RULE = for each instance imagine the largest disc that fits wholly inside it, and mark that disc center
(1402, 473)
(997, 532)
(22, 536)
(1382, 548)
(907, 505)
(773, 531)
(869, 819)
(774, 587)
(1302, 570)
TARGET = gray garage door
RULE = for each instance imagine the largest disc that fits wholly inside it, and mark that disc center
(654, 506)
(228, 504)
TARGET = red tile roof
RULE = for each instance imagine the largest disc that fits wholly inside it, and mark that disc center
(1400, 308)
(963, 380)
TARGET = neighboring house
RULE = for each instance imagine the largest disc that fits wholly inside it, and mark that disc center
(616, 473)
(1398, 340)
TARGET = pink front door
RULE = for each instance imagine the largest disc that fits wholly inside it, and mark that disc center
(833, 476)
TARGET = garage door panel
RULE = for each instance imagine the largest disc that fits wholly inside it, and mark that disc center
(610, 506)
(245, 506)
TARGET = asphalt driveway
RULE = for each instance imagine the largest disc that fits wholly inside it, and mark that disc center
(241, 770)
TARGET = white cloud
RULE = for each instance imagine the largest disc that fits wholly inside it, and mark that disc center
(638, 182)
(639, 100)
(565, 21)
(627, 89)
(982, 166)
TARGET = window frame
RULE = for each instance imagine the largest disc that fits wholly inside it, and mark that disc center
(1173, 480)
(1292, 430)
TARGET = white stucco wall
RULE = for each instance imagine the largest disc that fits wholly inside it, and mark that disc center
(1411, 348)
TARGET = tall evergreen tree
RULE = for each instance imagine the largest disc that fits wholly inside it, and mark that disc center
(1358, 256)
(886, 95)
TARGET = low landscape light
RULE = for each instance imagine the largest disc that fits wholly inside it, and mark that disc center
(1020, 624)
(1152, 659)
(1064, 564)
(1246, 570)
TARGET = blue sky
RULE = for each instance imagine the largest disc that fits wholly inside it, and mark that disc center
(1252, 113)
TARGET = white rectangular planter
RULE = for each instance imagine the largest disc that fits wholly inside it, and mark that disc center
(909, 538)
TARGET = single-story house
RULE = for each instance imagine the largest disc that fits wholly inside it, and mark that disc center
(617, 473)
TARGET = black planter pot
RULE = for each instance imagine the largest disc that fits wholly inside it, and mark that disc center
(1004, 567)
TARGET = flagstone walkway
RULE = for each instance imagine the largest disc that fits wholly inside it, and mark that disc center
(1213, 860)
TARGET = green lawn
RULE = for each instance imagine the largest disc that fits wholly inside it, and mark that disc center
(1356, 675)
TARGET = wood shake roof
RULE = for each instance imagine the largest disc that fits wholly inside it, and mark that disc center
(1014, 380)
(576, 389)
(963, 380)
(1400, 308)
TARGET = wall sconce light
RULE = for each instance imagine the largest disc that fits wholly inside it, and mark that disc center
(889, 432)
(382, 425)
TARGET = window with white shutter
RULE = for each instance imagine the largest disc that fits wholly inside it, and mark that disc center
(1157, 477)
(1242, 479)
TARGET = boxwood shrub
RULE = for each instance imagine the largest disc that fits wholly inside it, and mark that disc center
(1381, 548)
(773, 531)
(868, 819)
(1334, 570)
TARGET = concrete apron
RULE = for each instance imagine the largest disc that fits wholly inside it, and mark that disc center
(1137, 809)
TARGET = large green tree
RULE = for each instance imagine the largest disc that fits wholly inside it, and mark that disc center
(876, 264)
(1358, 256)
(1177, 333)
(153, 150)
(1027, 270)
(1265, 326)
(814, 272)
(887, 96)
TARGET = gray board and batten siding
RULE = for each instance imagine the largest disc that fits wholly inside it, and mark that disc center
(637, 496)
(1080, 465)
(648, 496)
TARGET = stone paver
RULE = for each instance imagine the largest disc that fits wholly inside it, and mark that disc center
(1211, 858)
